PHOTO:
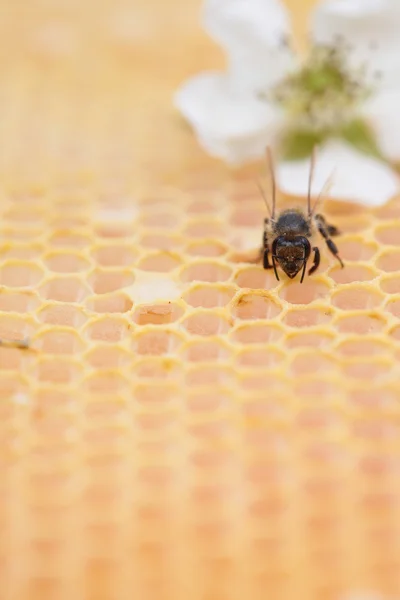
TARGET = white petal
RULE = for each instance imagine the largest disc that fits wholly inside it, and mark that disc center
(383, 114)
(356, 177)
(370, 28)
(236, 129)
(254, 35)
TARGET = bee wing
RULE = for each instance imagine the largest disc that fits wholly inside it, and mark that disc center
(324, 192)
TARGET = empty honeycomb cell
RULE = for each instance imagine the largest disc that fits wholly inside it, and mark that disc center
(255, 278)
(62, 314)
(390, 284)
(12, 359)
(161, 262)
(388, 234)
(367, 369)
(66, 371)
(257, 333)
(206, 323)
(352, 224)
(161, 241)
(107, 329)
(357, 249)
(201, 207)
(114, 255)
(13, 327)
(250, 216)
(312, 386)
(66, 262)
(309, 361)
(352, 273)
(105, 382)
(21, 302)
(20, 274)
(22, 251)
(393, 307)
(256, 306)
(258, 358)
(360, 322)
(156, 342)
(395, 332)
(110, 303)
(206, 351)
(363, 346)
(389, 261)
(313, 339)
(58, 342)
(307, 317)
(209, 296)
(152, 394)
(357, 297)
(304, 293)
(209, 375)
(206, 248)
(154, 368)
(24, 215)
(69, 239)
(104, 282)
(157, 314)
(205, 228)
(64, 289)
(162, 220)
(108, 357)
(210, 271)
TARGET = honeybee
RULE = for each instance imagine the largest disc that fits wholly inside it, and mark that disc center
(286, 237)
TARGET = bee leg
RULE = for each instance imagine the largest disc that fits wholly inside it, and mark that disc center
(322, 228)
(274, 267)
(265, 249)
(317, 259)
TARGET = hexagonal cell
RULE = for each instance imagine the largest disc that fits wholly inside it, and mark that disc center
(209, 375)
(388, 234)
(314, 386)
(366, 322)
(13, 359)
(24, 215)
(68, 239)
(310, 290)
(163, 220)
(161, 241)
(13, 327)
(160, 262)
(110, 303)
(22, 251)
(62, 314)
(256, 278)
(390, 284)
(351, 224)
(210, 271)
(357, 297)
(366, 370)
(308, 317)
(393, 307)
(114, 255)
(363, 346)
(58, 371)
(252, 215)
(357, 249)
(260, 358)
(368, 398)
(209, 296)
(154, 394)
(256, 306)
(156, 368)
(352, 273)
(206, 351)
(257, 333)
(389, 261)
(108, 357)
(395, 332)
(104, 282)
(315, 339)
(64, 289)
(206, 248)
(310, 362)
(66, 262)
(58, 342)
(157, 314)
(21, 302)
(202, 206)
(20, 274)
(205, 228)
(106, 382)
(156, 342)
(107, 329)
(206, 323)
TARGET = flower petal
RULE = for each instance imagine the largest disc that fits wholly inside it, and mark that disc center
(357, 177)
(236, 129)
(371, 30)
(383, 114)
(254, 35)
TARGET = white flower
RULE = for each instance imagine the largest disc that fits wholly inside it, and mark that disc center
(234, 117)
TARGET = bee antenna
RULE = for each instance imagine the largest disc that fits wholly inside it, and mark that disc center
(273, 181)
(264, 198)
(310, 179)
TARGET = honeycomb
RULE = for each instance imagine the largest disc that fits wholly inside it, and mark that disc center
(182, 426)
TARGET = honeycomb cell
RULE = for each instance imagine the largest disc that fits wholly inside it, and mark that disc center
(162, 262)
(315, 339)
(307, 317)
(66, 262)
(255, 278)
(365, 322)
(68, 239)
(256, 306)
(110, 303)
(209, 296)
(62, 372)
(309, 361)
(22, 251)
(105, 382)
(206, 323)
(108, 357)
(154, 368)
(390, 284)
(64, 289)
(388, 234)
(58, 342)
(209, 375)
(21, 302)
(369, 370)
(206, 351)
(393, 307)
(62, 314)
(251, 216)
(206, 248)
(363, 346)
(20, 274)
(15, 327)
(205, 228)
(157, 314)
(206, 271)
(357, 249)
(156, 342)
(357, 298)
(114, 255)
(107, 329)
(161, 241)
(260, 358)
(304, 293)
(257, 333)
(352, 273)
(104, 282)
